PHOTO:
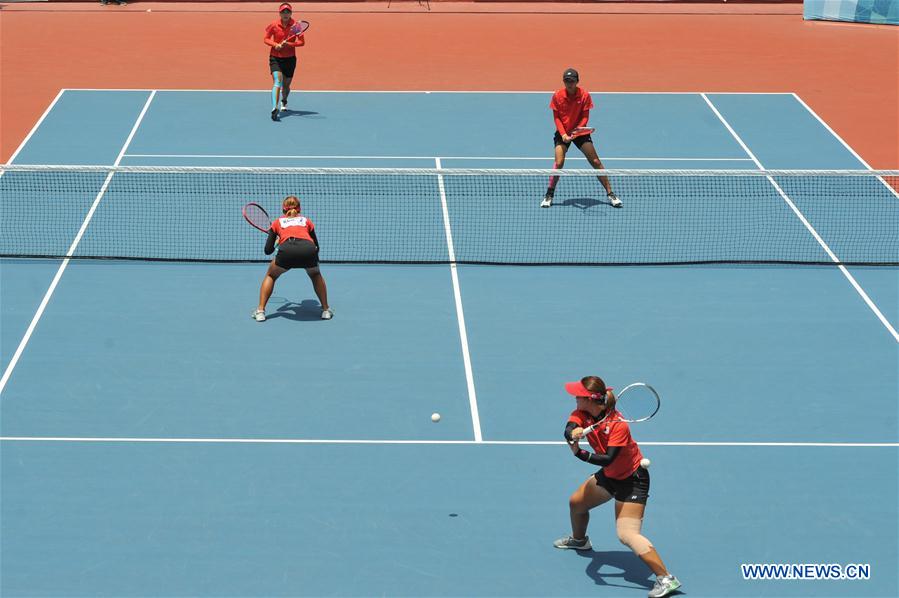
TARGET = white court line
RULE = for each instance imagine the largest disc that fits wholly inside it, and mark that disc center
(319, 157)
(70, 252)
(133, 440)
(808, 226)
(35, 127)
(846, 145)
(457, 295)
(411, 91)
(30, 134)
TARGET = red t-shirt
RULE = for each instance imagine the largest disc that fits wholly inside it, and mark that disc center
(615, 433)
(294, 227)
(571, 111)
(277, 33)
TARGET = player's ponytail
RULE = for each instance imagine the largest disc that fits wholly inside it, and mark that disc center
(610, 401)
(291, 206)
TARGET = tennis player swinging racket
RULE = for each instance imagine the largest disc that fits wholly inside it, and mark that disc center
(571, 110)
(621, 476)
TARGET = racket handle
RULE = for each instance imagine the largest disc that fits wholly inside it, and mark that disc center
(587, 430)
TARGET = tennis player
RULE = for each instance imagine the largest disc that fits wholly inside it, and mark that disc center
(297, 248)
(571, 109)
(621, 477)
(282, 60)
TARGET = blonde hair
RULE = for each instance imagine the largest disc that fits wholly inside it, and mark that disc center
(291, 205)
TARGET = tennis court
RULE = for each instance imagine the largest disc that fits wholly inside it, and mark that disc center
(156, 442)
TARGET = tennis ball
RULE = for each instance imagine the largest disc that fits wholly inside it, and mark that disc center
(645, 463)
(435, 417)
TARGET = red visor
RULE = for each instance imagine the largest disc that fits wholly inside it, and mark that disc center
(579, 390)
(284, 7)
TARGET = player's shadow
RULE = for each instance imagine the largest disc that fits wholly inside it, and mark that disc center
(308, 113)
(307, 311)
(582, 203)
(607, 568)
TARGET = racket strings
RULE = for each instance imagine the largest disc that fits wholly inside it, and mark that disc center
(257, 216)
(637, 403)
(299, 28)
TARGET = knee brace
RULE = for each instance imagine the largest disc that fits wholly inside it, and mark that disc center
(629, 534)
(276, 89)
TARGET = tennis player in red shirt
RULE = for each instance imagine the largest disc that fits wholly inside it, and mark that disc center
(297, 248)
(621, 477)
(282, 60)
(571, 109)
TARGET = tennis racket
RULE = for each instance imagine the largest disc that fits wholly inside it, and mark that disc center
(638, 402)
(257, 217)
(581, 131)
(298, 29)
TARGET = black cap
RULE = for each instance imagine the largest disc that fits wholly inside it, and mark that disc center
(570, 74)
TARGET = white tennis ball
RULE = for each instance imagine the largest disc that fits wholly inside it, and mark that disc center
(645, 463)
(149, 10)
(435, 417)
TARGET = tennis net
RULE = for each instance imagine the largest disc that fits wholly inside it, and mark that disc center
(466, 216)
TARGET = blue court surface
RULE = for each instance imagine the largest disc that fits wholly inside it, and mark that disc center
(156, 441)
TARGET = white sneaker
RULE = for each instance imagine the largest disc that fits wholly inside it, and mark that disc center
(663, 586)
(258, 315)
(547, 201)
(327, 314)
(283, 106)
(613, 199)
